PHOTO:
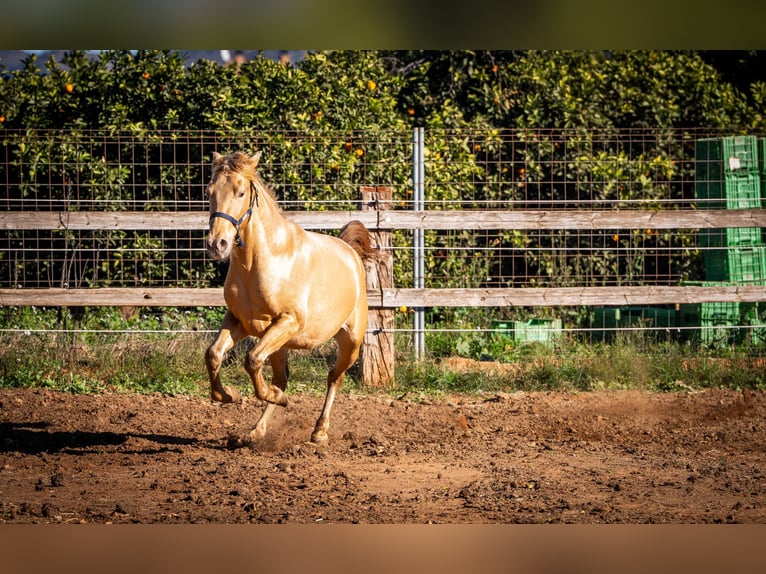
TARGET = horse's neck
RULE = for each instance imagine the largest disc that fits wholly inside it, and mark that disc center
(266, 231)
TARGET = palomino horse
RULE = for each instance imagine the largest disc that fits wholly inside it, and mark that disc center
(290, 288)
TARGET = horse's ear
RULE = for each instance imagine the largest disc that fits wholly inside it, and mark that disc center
(217, 157)
(256, 158)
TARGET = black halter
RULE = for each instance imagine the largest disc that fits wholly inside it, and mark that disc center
(237, 223)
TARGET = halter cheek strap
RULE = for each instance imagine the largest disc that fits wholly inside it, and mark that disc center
(237, 223)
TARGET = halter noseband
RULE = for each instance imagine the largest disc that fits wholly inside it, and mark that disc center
(237, 223)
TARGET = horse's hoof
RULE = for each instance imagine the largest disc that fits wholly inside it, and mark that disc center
(319, 437)
(233, 395)
(230, 395)
(281, 399)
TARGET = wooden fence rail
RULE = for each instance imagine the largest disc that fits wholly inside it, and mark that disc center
(385, 295)
(389, 298)
(399, 219)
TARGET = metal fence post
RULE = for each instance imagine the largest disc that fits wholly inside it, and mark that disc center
(418, 175)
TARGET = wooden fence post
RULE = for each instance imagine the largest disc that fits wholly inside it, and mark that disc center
(377, 354)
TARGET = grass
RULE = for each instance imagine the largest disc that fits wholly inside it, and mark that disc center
(174, 363)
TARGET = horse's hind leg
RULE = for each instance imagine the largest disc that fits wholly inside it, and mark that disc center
(348, 351)
(231, 332)
(281, 372)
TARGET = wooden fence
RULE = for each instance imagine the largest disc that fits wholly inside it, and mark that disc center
(383, 295)
(387, 220)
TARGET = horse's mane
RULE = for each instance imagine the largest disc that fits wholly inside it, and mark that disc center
(239, 162)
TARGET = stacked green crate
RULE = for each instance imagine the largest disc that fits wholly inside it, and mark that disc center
(762, 167)
(718, 321)
(728, 176)
(736, 265)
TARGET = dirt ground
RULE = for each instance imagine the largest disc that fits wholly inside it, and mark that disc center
(605, 457)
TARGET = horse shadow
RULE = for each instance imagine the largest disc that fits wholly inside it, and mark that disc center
(34, 438)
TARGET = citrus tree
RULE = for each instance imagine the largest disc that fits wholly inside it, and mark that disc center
(523, 129)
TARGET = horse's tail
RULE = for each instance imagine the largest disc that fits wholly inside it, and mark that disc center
(356, 235)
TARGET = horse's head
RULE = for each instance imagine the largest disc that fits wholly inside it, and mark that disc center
(232, 193)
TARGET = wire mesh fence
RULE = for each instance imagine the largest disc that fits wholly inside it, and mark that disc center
(510, 169)
(168, 171)
(564, 168)
(162, 173)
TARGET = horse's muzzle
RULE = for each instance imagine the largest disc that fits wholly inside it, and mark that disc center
(218, 248)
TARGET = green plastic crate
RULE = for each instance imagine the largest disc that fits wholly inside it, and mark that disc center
(730, 192)
(732, 155)
(754, 334)
(762, 155)
(714, 334)
(718, 328)
(692, 313)
(740, 153)
(505, 327)
(720, 323)
(731, 237)
(736, 264)
(762, 167)
(717, 313)
(614, 317)
(538, 330)
(722, 334)
(604, 321)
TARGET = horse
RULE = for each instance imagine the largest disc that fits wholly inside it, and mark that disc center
(288, 287)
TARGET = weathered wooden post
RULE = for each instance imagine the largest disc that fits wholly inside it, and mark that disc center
(377, 354)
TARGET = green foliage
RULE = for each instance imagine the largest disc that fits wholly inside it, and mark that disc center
(114, 126)
(571, 89)
(530, 129)
(563, 108)
(340, 119)
(633, 89)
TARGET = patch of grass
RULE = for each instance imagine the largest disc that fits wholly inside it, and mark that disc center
(144, 363)
(427, 378)
(174, 364)
(623, 364)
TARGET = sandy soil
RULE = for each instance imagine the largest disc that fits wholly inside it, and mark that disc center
(607, 457)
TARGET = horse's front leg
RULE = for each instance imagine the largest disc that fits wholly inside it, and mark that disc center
(275, 337)
(231, 332)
